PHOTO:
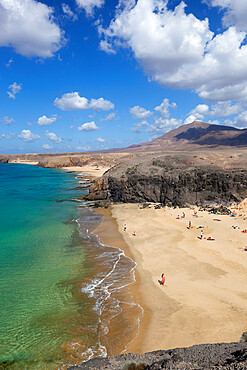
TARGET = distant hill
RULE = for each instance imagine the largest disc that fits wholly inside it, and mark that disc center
(194, 136)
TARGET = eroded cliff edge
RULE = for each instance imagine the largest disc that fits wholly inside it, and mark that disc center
(175, 180)
(198, 357)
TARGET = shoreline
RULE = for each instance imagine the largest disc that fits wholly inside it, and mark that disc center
(94, 171)
(32, 163)
(116, 240)
(205, 296)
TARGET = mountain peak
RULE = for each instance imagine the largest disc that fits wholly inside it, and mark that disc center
(196, 135)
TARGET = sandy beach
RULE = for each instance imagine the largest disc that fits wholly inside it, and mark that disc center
(33, 163)
(95, 171)
(204, 299)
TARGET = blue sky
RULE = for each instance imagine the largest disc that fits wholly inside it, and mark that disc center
(81, 75)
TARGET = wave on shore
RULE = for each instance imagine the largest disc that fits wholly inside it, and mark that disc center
(118, 316)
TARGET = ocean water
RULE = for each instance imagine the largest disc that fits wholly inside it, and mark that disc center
(63, 294)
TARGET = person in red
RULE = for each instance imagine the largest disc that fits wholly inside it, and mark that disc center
(163, 279)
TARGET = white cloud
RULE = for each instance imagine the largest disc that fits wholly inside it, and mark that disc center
(8, 136)
(109, 117)
(53, 137)
(106, 47)
(240, 121)
(100, 140)
(15, 88)
(68, 12)
(162, 125)
(160, 116)
(28, 136)
(138, 126)
(7, 120)
(214, 122)
(235, 12)
(88, 126)
(9, 62)
(164, 107)
(225, 109)
(85, 147)
(179, 51)
(47, 146)
(140, 112)
(29, 27)
(198, 113)
(192, 117)
(73, 101)
(228, 122)
(101, 104)
(43, 121)
(89, 5)
(201, 109)
(220, 109)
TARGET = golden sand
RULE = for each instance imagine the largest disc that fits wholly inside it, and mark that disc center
(204, 299)
(95, 171)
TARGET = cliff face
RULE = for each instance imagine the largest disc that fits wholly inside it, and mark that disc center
(171, 180)
(3, 159)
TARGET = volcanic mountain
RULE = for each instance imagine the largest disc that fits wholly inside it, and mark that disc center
(194, 136)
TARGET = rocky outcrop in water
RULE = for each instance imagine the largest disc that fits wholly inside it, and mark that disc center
(171, 180)
(200, 357)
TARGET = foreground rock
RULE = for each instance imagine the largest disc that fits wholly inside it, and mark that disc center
(203, 356)
(174, 180)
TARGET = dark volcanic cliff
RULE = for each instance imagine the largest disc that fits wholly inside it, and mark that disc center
(175, 180)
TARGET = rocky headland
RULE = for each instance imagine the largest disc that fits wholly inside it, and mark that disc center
(176, 179)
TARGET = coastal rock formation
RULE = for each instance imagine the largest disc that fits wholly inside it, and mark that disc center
(58, 160)
(173, 180)
(4, 159)
(199, 357)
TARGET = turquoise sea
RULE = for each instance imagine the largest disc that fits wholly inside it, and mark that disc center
(39, 255)
(63, 294)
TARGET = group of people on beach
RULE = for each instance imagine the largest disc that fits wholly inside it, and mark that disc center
(125, 228)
